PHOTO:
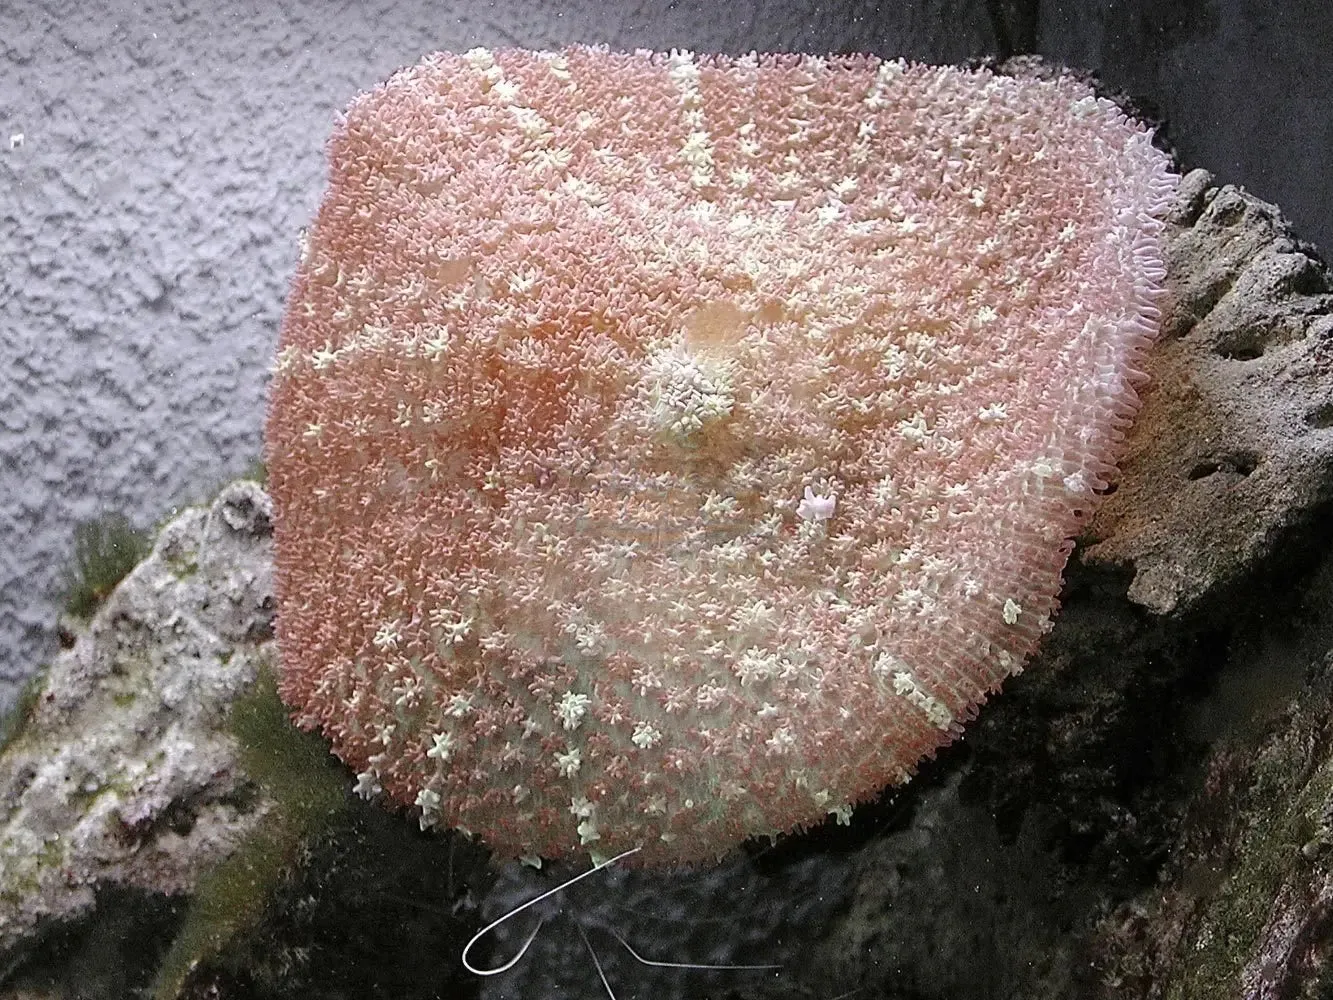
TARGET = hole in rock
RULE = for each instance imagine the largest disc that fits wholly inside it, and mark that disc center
(1321, 416)
(1245, 346)
(1233, 466)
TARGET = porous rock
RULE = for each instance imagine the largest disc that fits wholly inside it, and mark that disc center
(125, 776)
(1232, 448)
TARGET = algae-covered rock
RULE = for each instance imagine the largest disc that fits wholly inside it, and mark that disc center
(125, 774)
(1244, 907)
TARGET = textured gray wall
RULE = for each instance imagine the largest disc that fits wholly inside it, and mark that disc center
(173, 148)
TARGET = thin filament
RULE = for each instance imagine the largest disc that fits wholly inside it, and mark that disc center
(597, 964)
(682, 965)
(523, 906)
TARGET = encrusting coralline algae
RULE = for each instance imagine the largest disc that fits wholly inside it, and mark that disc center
(668, 450)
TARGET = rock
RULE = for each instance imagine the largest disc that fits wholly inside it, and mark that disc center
(125, 775)
(1233, 448)
(1245, 902)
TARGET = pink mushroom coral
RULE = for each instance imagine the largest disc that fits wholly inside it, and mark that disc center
(668, 450)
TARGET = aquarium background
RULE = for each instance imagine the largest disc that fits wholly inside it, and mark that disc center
(158, 159)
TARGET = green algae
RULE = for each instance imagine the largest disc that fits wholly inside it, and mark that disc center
(15, 721)
(106, 549)
(307, 789)
(1267, 851)
(257, 471)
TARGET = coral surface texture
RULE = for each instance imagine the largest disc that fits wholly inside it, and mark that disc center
(668, 450)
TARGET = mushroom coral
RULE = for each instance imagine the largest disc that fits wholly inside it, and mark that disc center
(667, 450)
